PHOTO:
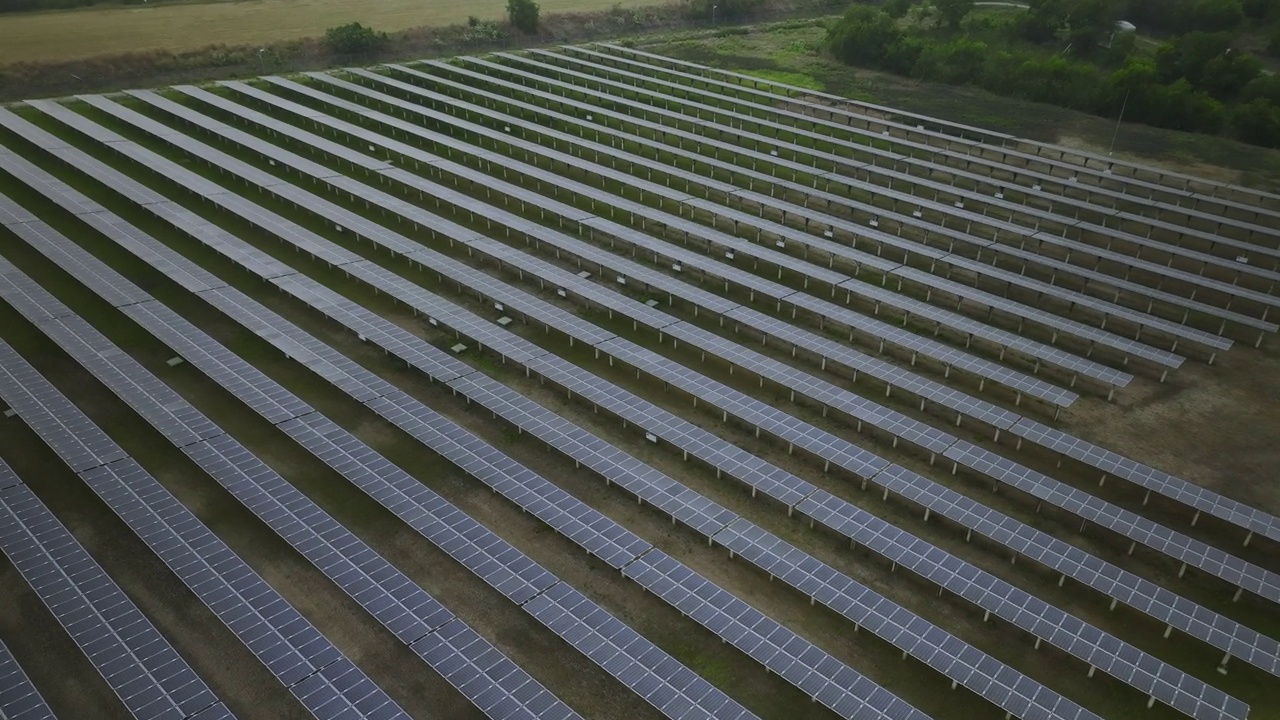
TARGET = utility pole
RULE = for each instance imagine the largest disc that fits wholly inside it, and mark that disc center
(1120, 119)
(713, 14)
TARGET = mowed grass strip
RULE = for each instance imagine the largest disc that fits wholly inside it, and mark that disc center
(86, 32)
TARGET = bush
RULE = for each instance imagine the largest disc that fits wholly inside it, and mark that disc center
(953, 11)
(897, 8)
(523, 15)
(1261, 9)
(1214, 15)
(1257, 122)
(863, 36)
(353, 39)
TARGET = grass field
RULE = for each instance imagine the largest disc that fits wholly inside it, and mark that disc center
(86, 32)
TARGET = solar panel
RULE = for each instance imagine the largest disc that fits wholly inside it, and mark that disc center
(1094, 192)
(135, 660)
(1009, 340)
(657, 677)
(34, 233)
(469, 551)
(804, 125)
(290, 647)
(11, 213)
(396, 602)
(946, 396)
(879, 330)
(466, 660)
(19, 699)
(1176, 545)
(797, 168)
(829, 682)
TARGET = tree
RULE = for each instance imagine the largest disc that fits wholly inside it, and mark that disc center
(1273, 45)
(897, 8)
(1214, 15)
(1092, 22)
(1040, 25)
(523, 15)
(1260, 9)
(1228, 74)
(1257, 122)
(353, 39)
(1186, 56)
(863, 36)
(1264, 86)
(953, 11)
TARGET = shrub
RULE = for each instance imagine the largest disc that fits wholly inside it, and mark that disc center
(353, 39)
(1257, 122)
(523, 15)
(863, 36)
(897, 8)
(953, 11)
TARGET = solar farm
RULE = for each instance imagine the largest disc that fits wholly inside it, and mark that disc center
(591, 383)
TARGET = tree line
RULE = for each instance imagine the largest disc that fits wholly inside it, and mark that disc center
(1072, 53)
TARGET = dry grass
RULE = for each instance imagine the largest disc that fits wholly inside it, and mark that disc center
(87, 32)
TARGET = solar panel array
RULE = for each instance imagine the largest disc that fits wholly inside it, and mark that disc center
(342, 451)
(519, 352)
(585, 527)
(139, 665)
(383, 286)
(1152, 479)
(289, 646)
(834, 279)
(881, 240)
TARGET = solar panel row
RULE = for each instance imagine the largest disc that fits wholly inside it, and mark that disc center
(866, 290)
(1172, 185)
(746, 112)
(497, 562)
(139, 665)
(1226, 292)
(581, 524)
(1221, 639)
(1033, 185)
(286, 643)
(385, 592)
(910, 249)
